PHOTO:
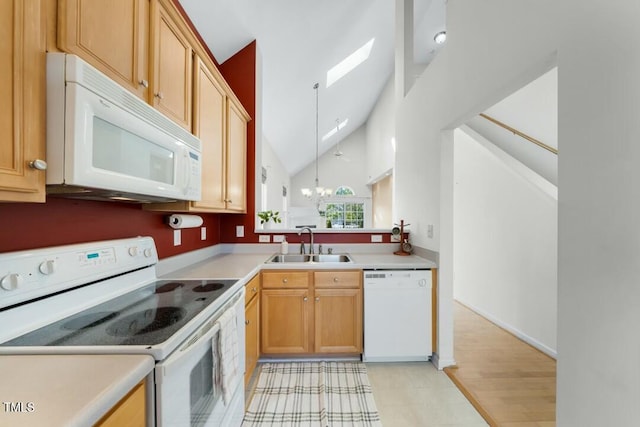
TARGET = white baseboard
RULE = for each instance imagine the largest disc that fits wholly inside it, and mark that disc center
(524, 337)
(439, 363)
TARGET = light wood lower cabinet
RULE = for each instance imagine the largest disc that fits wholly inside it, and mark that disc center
(252, 326)
(130, 411)
(306, 312)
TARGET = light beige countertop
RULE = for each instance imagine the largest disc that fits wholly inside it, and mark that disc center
(244, 266)
(66, 390)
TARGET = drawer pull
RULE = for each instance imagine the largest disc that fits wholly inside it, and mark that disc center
(335, 279)
(285, 280)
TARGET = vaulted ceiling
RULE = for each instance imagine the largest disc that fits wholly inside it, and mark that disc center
(299, 41)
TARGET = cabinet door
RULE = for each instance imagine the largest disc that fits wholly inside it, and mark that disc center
(285, 321)
(252, 337)
(236, 160)
(130, 411)
(209, 125)
(22, 100)
(171, 67)
(338, 320)
(111, 35)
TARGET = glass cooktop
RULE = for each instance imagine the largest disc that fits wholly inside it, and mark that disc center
(146, 316)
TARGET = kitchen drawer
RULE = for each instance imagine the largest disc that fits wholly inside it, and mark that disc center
(251, 289)
(337, 279)
(285, 279)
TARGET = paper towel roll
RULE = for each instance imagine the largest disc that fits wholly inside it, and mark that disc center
(185, 221)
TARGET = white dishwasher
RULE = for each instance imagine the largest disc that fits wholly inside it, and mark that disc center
(397, 315)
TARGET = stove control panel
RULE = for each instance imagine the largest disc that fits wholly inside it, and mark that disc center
(31, 274)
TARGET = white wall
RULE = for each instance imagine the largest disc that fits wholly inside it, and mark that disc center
(495, 47)
(381, 129)
(333, 172)
(505, 243)
(277, 177)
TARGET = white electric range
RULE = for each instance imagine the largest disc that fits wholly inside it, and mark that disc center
(104, 298)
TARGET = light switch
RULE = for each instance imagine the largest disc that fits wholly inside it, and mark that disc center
(277, 238)
(264, 238)
(376, 238)
(239, 230)
(177, 237)
(203, 233)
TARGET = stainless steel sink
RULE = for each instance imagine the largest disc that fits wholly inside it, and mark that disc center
(331, 258)
(289, 258)
(319, 258)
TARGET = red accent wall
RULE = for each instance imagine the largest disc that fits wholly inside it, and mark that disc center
(65, 221)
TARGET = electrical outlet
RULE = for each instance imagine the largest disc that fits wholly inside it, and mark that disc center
(203, 233)
(277, 238)
(376, 238)
(264, 238)
(395, 238)
(430, 231)
(239, 230)
(177, 237)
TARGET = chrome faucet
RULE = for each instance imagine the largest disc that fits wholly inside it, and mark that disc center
(310, 237)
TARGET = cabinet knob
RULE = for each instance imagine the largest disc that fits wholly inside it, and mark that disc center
(305, 299)
(38, 164)
(246, 322)
(158, 95)
(144, 83)
(228, 201)
(285, 280)
(254, 290)
(317, 299)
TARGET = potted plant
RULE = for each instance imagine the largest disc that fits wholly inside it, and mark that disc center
(267, 216)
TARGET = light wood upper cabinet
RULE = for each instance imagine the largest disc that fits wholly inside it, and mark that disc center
(22, 100)
(209, 118)
(222, 127)
(111, 35)
(236, 197)
(171, 65)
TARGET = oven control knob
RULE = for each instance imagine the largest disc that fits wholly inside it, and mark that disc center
(11, 281)
(133, 251)
(48, 267)
(148, 252)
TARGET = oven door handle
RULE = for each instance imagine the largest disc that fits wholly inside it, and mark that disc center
(184, 351)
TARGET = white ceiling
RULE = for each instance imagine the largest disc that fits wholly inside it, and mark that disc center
(299, 41)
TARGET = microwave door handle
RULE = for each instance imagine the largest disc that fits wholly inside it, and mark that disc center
(187, 171)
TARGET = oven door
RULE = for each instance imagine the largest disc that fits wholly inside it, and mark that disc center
(188, 382)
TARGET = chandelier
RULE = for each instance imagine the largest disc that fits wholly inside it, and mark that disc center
(317, 195)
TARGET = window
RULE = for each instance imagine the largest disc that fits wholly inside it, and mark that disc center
(347, 213)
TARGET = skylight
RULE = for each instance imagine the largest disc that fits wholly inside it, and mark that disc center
(334, 130)
(349, 63)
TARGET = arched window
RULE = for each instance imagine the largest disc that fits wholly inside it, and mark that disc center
(343, 190)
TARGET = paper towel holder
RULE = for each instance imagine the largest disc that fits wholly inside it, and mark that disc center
(179, 221)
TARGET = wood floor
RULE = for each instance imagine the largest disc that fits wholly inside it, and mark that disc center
(509, 382)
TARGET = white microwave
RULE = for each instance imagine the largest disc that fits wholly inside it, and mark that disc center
(104, 143)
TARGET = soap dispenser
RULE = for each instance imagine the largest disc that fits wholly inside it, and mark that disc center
(284, 246)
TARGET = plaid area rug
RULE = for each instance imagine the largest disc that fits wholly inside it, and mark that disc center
(318, 394)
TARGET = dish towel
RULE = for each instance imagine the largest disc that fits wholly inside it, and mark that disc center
(228, 350)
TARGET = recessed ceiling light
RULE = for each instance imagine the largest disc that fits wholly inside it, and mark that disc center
(440, 37)
(349, 63)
